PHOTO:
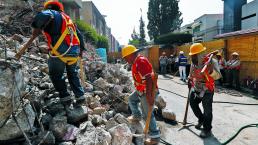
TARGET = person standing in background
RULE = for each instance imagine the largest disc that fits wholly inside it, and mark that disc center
(163, 61)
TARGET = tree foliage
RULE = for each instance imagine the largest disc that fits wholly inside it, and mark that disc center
(164, 17)
(135, 39)
(91, 36)
(171, 38)
(102, 42)
(89, 33)
(142, 39)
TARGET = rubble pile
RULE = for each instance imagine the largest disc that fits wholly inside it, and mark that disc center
(31, 112)
(27, 93)
(16, 15)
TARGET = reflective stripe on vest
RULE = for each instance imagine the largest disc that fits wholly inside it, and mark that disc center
(199, 78)
(69, 30)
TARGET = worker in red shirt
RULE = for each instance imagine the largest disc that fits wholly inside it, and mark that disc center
(142, 73)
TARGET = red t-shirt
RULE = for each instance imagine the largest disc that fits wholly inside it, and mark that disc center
(140, 68)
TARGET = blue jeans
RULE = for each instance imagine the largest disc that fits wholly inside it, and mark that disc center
(134, 99)
(56, 73)
(163, 68)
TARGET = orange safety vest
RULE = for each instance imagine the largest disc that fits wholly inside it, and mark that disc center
(199, 78)
(68, 32)
(139, 80)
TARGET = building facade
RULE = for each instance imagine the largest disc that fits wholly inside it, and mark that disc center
(72, 8)
(250, 15)
(92, 16)
(205, 27)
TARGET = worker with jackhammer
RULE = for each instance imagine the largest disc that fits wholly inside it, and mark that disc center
(201, 86)
(65, 46)
(145, 93)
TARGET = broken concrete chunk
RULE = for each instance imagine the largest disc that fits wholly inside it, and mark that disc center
(111, 123)
(11, 85)
(10, 129)
(99, 110)
(97, 120)
(89, 135)
(101, 84)
(169, 114)
(121, 119)
(121, 134)
(59, 126)
(71, 133)
(160, 102)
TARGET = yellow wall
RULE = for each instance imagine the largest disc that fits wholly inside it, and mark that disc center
(246, 46)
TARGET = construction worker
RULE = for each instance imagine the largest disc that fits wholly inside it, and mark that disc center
(182, 62)
(65, 46)
(142, 73)
(233, 66)
(222, 66)
(201, 86)
(163, 61)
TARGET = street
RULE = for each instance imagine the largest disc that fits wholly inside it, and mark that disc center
(227, 118)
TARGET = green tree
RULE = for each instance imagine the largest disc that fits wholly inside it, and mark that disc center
(142, 33)
(164, 17)
(135, 39)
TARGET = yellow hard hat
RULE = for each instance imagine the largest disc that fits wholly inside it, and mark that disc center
(196, 48)
(128, 49)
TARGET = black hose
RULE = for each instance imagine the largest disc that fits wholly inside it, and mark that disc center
(235, 135)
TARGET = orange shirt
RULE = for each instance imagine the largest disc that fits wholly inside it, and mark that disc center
(140, 68)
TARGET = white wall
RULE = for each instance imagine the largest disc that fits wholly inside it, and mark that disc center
(247, 10)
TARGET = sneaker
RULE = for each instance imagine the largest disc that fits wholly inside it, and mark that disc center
(66, 100)
(152, 141)
(199, 125)
(133, 119)
(205, 134)
(80, 100)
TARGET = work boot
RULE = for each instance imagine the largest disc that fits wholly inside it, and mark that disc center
(205, 134)
(66, 101)
(79, 100)
(133, 119)
(152, 141)
(199, 125)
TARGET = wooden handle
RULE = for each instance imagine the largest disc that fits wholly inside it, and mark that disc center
(147, 123)
(25, 47)
(82, 75)
(186, 108)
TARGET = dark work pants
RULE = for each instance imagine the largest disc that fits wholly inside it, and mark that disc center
(56, 73)
(206, 116)
(234, 77)
(223, 78)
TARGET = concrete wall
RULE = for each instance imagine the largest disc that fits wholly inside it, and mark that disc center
(250, 15)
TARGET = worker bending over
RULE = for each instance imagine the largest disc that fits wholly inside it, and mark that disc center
(65, 46)
(145, 84)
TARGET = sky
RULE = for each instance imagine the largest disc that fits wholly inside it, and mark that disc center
(123, 15)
